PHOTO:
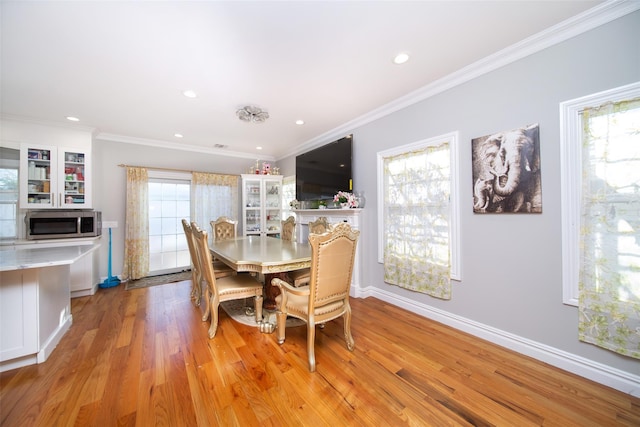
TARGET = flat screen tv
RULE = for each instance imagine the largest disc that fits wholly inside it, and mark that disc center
(322, 172)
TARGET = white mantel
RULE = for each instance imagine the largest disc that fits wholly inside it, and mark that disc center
(353, 217)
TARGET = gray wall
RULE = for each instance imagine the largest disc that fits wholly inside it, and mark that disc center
(110, 182)
(511, 263)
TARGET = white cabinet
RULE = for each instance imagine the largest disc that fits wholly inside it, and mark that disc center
(18, 308)
(261, 204)
(54, 177)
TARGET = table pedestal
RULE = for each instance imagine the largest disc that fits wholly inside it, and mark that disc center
(270, 291)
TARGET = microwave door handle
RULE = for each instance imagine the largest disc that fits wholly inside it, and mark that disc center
(79, 224)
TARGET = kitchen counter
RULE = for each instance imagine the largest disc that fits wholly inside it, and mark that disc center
(35, 299)
(17, 258)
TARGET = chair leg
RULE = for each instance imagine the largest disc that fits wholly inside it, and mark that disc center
(215, 302)
(207, 299)
(347, 330)
(311, 337)
(281, 320)
(258, 308)
(196, 291)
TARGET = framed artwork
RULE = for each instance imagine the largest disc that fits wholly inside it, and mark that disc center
(506, 171)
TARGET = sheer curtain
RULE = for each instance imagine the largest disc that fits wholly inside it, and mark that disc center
(416, 220)
(609, 284)
(214, 195)
(136, 238)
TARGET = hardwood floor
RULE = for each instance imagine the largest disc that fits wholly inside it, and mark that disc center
(142, 357)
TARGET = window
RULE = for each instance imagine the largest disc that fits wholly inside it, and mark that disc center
(8, 202)
(419, 213)
(169, 202)
(601, 207)
(572, 133)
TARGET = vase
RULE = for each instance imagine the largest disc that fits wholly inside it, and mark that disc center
(360, 200)
(344, 205)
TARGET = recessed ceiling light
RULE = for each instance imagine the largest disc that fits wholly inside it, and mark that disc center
(73, 119)
(401, 58)
(177, 135)
(190, 94)
(258, 148)
(299, 122)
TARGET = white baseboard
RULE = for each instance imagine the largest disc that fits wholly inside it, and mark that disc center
(594, 371)
(54, 339)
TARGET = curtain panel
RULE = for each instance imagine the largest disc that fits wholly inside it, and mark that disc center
(213, 196)
(609, 277)
(136, 239)
(416, 220)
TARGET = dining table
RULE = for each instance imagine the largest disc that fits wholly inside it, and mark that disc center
(271, 256)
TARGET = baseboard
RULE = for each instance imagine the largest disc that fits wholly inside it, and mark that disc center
(594, 371)
(54, 339)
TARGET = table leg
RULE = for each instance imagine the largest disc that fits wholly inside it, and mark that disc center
(270, 291)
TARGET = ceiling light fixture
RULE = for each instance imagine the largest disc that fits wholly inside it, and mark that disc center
(73, 119)
(299, 122)
(252, 114)
(177, 135)
(401, 58)
(189, 94)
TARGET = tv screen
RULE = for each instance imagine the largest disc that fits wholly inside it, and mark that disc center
(322, 172)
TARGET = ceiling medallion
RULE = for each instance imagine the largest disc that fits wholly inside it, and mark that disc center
(252, 114)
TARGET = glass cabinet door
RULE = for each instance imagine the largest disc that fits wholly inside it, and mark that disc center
(272, 193)
(40, 170)
(252, 207)
(73, 191)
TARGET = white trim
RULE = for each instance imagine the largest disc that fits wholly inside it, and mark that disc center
(570, 179)
(454, 228)
(594, 371)
(54, 338)
(178, 146)
(581, 23)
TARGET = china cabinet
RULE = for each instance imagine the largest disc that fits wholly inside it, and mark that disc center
(54, 177)
(261, 205)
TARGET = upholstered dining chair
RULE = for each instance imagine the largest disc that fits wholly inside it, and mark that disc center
(301, 277)
(223, 228)
(327, 296)
(227, 288)
(288, 229)
(220, 268)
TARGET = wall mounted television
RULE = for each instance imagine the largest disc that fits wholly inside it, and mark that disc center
(322, 172)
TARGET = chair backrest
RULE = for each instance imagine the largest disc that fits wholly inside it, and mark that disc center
(192, 250)
(332, 257)
(319, 226)
(201, 243)
(223, 228)
(288, 231)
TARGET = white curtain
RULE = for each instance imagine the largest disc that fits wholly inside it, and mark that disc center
(213, 196)
(416, 220)
(609, 297)
(136, 235)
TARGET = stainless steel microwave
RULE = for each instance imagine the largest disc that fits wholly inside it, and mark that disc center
(63, 224)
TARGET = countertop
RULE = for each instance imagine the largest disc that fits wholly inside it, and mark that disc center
(18, 258)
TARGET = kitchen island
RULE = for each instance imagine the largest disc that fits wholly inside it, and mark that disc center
(35, 301)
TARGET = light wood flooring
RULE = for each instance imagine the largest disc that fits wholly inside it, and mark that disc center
(142, 358)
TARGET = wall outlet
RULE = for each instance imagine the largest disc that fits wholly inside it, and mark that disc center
(109, 224)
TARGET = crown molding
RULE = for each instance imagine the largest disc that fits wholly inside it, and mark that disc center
(581, 23)
(32, 121)
(178, 146)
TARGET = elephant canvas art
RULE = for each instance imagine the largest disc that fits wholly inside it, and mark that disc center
(506, 171)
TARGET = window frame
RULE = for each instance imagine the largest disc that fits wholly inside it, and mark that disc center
(454, 226)
(571, 179)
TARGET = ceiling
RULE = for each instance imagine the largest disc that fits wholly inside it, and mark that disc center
(122, 67)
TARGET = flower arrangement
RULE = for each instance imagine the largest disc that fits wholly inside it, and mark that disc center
(345, 197)
(294, 204)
